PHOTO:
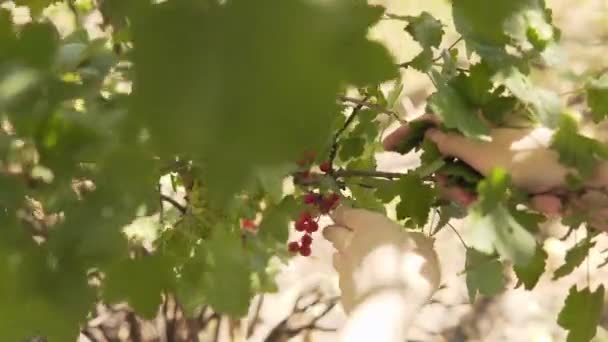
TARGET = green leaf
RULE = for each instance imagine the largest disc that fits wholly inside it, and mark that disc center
(499, 232)
(227, 277)
(488, 27)
(455, 112)
(475, 86)
(529, 274)
(574, 257)
(423, 61)
(351, 148)
(546, 105)
(36, 6)
(576, 150)
(297, 56)
(38, 44)
(581, 313)
(425, 29)
(484, 274)
(275, 224)
(386, 190)
(140, 282)
(416, 199)
(494, 190)
(364, 198)
(597, 98)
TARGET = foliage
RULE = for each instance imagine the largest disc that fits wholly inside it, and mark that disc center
(224, 102)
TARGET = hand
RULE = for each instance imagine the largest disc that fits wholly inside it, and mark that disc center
(386, 274)
(534, 167)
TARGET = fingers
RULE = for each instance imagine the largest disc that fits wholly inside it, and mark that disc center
(339, 237)
(391, 142)
(358, 219)
(455, 194)
(549, 205)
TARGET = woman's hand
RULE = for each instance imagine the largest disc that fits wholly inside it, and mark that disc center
(386, 274)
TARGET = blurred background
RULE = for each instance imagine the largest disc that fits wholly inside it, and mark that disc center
(306, 306)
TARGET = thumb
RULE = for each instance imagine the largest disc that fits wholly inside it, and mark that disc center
(339, 236)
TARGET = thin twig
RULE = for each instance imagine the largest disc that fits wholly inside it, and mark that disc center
(336, 139)
(256, 316)
(374, 106)
(448, 49)
(174, 203)
(458, 234)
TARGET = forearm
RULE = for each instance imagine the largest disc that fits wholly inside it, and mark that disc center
(380, 317)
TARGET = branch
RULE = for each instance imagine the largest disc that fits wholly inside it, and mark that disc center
(368, 173)
(174, 203)
(374, 106)
(336, 138)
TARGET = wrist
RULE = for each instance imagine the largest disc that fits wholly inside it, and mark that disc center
(381, 316)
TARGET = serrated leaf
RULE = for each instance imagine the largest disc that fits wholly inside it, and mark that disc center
(226, 281)
(425, 29)
(546, 104)
(499, 232)
(455, 112)
(488, 27)
(484, 274)
(351, 148)
(294, 49)
(140, 282)
(422, 61)
(581, 313)
(597, 98)
(386, 190)
(364, 198)
(574, 258)
(576, 150)
(493, 190)
(529, 274)
(416, 199)
(274, 225)
(475, 86)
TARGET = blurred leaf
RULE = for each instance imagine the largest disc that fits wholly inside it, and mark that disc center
(484, 274)
(425, 29)
(140, 282)
(581, 313)
(416, 199)
(227, 277)
(296, 43)
(351, 148)
(574, 257)
(529, 274)
(546, 105)
(597, 98)
(453, 109)
(488, 27)
(576, 150)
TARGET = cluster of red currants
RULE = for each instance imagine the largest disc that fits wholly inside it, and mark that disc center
(307, 222)
(320, 204)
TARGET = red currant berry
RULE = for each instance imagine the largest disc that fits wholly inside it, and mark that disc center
(325, 167)
(301, 225)
(305, 251)
(310, 198)
(305, 216)
(293, 247)
(312, 226)
(249, 225)
(306, 240)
